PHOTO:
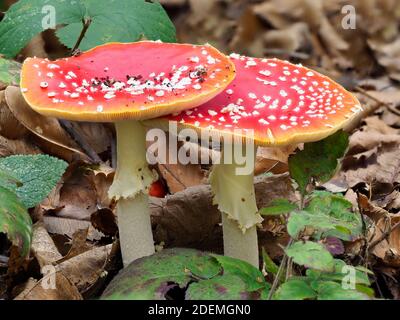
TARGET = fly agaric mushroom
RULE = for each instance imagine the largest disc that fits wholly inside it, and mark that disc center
(282, 104)
(124, 83)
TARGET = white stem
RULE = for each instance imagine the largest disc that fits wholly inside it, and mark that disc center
(130, 188)
(235, 195)
(135, 234)
(239, 245)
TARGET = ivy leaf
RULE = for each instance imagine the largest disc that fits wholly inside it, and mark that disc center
(110, 21)
(253, 277)
(312, 255)
(15, 221)
(9, 72)
(295, 289)
(37, 173)
(318, 160)
(225, 287)
(278, 207)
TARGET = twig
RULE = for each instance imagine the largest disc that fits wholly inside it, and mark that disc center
(384, 235)
(280, 270)
(86, 24)
(73, 131)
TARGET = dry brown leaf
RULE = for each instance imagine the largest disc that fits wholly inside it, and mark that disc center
(373, 157)
(37, 290)
(84, 270)
(96, 134)
(179, 177)
(64, 226)
(10, 127)
(52, 138)
(35, 48)
(388, 56)
(9, 147)
(78, 198)
(43, 247)
(78, 245)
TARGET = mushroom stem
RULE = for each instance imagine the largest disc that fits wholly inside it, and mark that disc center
(235, 195)
(238, 244)
(130, 187)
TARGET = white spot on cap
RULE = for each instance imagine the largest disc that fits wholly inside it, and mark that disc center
(197, 86)
(160, 93)
(195, 59)
(71, 74)
(252, 95)
(51, 94)
(265, 73)
(99, 108)
(44, 84)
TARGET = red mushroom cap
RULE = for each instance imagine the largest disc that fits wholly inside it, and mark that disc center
(283, 103)
(120, 81)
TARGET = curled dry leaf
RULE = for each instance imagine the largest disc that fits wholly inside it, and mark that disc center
(52, 138)
(46, 289)
(67, 227)
(10, 147)
(373, 156)
(10, 127)
(78, 198)
(78, 245)
(383, 234)
(178, 176)
(43, 247)
(85, 269)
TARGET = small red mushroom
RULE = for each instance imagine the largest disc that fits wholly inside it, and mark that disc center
(282, 104)
(127, 81)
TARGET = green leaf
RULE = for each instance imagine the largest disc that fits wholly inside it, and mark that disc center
(270, 265)
(318, 160)
(15, 221)
(329, 215)
(340, 272)
(295, 289)
(278, 207)
(334, 291)
(110, 21)
(8, 180)
(253, 277)
(151, 277)
(9, 72)
(37, 173)
(312, 255)
(199, 273)
(225, 287)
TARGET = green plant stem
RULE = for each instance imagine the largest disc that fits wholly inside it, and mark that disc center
(278, 274)
(130, 187)
(86, 24)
